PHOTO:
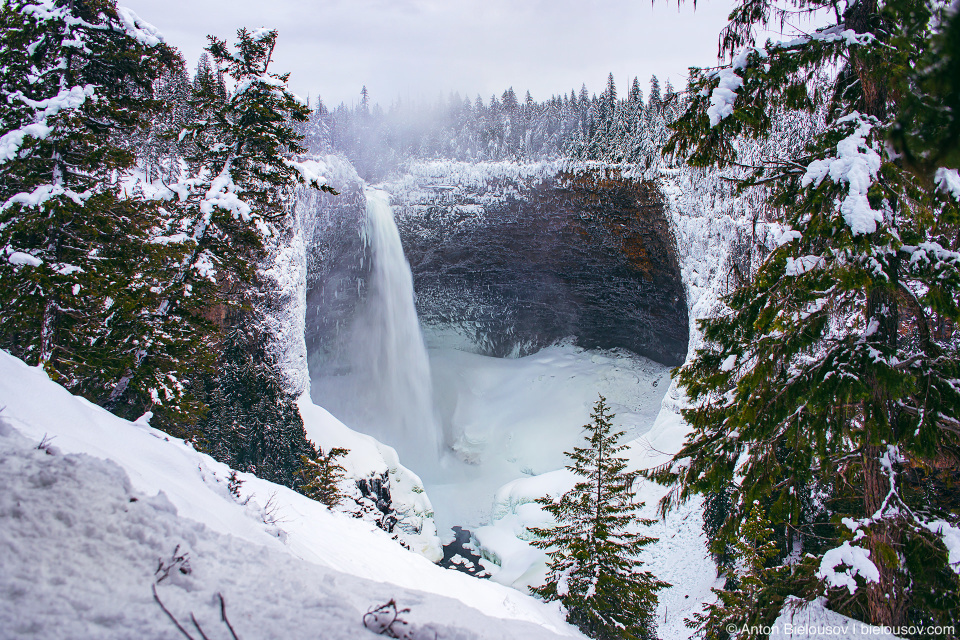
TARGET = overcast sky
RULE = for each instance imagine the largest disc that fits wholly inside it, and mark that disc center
(422, 48)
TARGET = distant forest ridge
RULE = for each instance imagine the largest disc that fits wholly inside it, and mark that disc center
(580, 126)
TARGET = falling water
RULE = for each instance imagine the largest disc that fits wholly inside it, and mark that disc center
(388, 392)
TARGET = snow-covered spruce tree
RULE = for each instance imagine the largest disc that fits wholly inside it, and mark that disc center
(827, 389)
(159, 149)
(77, 269)
(234, 210)
(594, 569)
(252, 423)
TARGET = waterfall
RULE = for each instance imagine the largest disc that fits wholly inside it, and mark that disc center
(386, 390)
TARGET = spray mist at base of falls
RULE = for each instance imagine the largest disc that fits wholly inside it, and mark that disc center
(378, 380)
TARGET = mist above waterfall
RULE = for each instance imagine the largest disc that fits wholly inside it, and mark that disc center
(378, 380)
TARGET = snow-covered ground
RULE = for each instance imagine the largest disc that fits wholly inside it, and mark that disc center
(85, 524)
(813, 620)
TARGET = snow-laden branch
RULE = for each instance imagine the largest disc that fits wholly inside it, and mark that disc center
(66, 99)
(725, 93)
(836, 33)
(44, 192)
(948, 180)
(271, 82)
(857, 164)
(139, 29)
(18, 258)
(856, 558)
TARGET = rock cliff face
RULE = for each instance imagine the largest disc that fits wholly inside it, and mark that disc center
(336, 267)
(508, 259)
(511, 265)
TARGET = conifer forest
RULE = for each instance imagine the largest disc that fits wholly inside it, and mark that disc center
(664, 356)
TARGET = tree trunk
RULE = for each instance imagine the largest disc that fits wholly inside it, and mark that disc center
(862, 17)
(885, 599)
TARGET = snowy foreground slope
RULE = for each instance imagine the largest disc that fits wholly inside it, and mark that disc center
(85, 523)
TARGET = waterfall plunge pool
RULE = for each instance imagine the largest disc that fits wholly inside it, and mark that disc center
(507, 418)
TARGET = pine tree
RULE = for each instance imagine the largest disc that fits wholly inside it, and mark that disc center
(823, 389)
(243, 162)
(654, 101)
(364, 101)
(80, 270)
(252, 423)
(594, 570)
(234, 201)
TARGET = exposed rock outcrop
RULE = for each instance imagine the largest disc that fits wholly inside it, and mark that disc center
(512, 266)
(510, 259)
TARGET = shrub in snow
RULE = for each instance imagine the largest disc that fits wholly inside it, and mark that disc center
(593, 566)
(322, 475)
(234, 482)
(178, 562)
(385, 620)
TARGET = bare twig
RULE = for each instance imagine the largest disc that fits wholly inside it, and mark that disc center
(45, 442)
(271, 511)
(170, 615)
(180, 562)
(193, 618)
(223, 616)
(382, 620)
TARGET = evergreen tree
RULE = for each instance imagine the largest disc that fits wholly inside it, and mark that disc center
(928, 128)
(594, 570)
(823, 390)
(509, 101)
(321, 476)
(158, 147)
(234, 201)
(654, 101)
(80, 270)
(253, 423)
(744, 602)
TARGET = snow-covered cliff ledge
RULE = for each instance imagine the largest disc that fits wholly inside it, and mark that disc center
(717, 233)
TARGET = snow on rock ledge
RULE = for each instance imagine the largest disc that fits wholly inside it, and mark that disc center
(80, 538)
(374, 475)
